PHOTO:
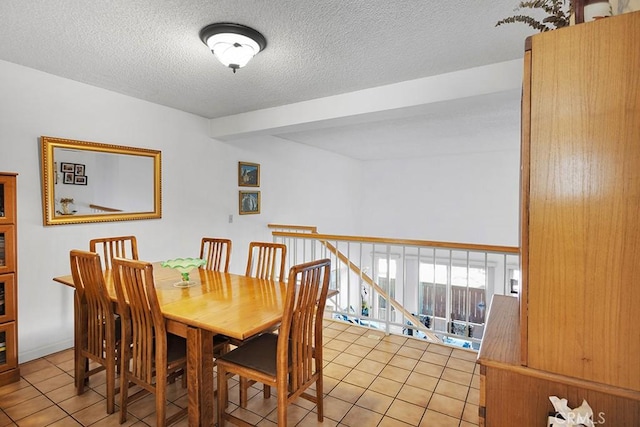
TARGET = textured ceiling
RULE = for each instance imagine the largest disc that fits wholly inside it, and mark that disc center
(150, 49)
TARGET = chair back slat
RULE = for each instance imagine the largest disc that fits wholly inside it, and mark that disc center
(217, 253)
(96, 310)
(295, 352)
(140, 310)
(266, 260)
(301, 328)
(96, 325)
(146, 340)
(111, 247)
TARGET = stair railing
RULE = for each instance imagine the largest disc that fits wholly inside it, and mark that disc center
(432, 305)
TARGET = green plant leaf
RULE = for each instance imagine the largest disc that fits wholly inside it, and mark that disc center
(557, 14)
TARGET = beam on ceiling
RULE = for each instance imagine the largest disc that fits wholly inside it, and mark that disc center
(379, 103)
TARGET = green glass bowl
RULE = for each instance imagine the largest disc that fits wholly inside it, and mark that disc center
(184, 267)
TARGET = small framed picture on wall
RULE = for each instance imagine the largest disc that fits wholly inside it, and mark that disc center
(248, 174)
(249, 202)
(67, 167)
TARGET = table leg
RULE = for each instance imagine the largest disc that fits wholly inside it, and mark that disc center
(78, 319)
(200, 376)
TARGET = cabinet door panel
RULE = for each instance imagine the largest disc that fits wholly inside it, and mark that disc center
(7, 249)
(584, 200)
(7, 298)
(8, 346)
(7, 199)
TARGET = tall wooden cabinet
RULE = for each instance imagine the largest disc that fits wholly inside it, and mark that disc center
(575, 331)
(9, 371)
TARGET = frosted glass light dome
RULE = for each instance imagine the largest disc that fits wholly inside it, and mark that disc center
(233, 44)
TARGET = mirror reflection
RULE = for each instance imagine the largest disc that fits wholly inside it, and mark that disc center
(92, 182)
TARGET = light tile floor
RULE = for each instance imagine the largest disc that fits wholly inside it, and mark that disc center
(370, 380)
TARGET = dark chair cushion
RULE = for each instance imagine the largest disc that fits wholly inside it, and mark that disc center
(258, 353)
(220, 340)
(176, 347)
(118, 327)
(220, 345)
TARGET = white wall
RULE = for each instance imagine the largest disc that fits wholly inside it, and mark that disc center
(199, 188)
(464, 198)
(299, 185)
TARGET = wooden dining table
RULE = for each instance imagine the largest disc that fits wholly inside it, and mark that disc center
(217, 303)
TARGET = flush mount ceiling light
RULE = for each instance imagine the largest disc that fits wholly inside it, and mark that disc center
(233, 44)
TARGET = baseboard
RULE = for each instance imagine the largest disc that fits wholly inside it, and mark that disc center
(36, 353)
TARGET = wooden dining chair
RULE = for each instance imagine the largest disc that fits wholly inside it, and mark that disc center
(217, 253)
(291, 360)
(266, 260)
(97, 326)
(111, 247)
(150, 353)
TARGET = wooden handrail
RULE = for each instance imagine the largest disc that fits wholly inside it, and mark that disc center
(309, 228)
(406, 242)
(104, 208)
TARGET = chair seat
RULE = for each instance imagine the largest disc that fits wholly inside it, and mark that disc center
(220, 345)
(176, 348)
(258, 353)
(238, 342)
(118, 327)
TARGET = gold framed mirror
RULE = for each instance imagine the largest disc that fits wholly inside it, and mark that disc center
(93, 182)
